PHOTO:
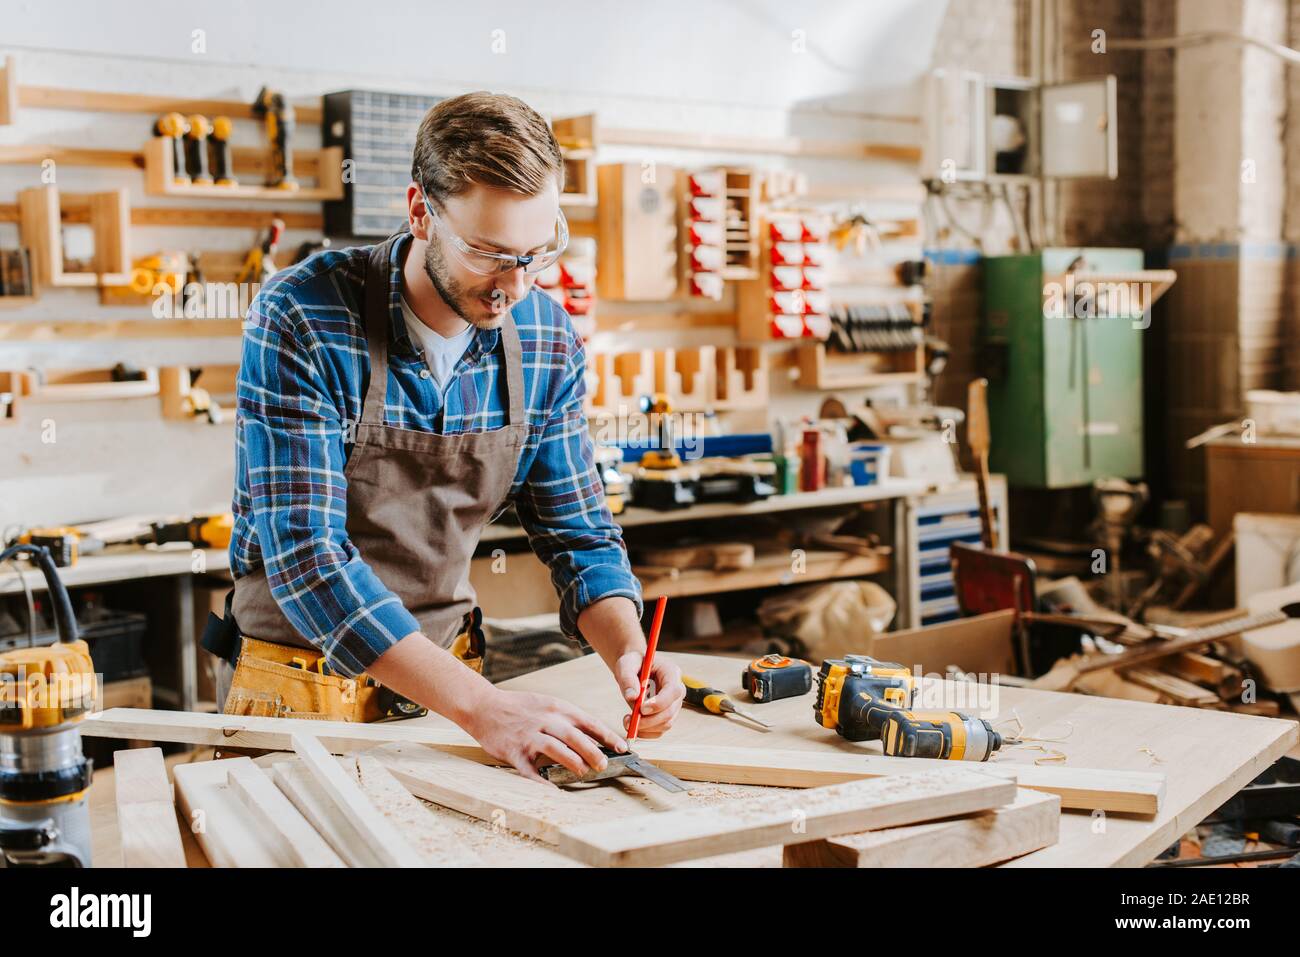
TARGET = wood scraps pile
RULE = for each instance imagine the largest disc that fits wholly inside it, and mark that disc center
(336, 794)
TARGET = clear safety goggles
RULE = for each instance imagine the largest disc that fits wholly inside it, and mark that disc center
(488, 263)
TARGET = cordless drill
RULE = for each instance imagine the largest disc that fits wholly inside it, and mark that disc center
(869, 700)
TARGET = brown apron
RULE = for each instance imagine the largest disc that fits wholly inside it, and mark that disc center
(417, 502)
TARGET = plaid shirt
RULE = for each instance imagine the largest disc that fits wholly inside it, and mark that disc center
(301, 381)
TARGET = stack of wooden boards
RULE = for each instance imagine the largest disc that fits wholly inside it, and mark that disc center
(1188, 671)
(305, 807)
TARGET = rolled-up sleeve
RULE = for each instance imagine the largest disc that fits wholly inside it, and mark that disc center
(562, 508)
(291, 436)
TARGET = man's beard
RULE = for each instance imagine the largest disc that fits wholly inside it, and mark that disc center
(453, 293)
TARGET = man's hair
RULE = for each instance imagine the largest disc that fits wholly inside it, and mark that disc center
(488, 139)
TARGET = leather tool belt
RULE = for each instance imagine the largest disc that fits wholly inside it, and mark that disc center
(284, 681)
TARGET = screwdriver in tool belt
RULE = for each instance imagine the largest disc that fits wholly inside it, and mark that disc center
(711, 699)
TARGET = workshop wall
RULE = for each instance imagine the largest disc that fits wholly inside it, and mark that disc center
(843, 70)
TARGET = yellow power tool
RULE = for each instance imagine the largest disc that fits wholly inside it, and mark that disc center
(868, 700)
(44, 776)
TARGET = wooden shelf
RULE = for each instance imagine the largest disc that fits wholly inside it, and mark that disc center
(633, 516)
(41, 224)
(823, 370)
(158, 168)
(767, 571)
(67, 331)
(16, 302)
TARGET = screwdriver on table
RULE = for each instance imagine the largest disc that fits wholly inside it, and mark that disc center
(713, 700)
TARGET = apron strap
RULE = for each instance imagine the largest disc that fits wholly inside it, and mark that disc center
(378, 307)
(378, 320)
(513, 355)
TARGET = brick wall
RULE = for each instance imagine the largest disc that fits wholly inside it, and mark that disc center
(1106, 212)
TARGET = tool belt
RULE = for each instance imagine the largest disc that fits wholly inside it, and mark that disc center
(283, 681)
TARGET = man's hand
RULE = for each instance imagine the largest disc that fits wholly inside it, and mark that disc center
(612, 628)
(659, 710)
(515, 727)
(519, 728)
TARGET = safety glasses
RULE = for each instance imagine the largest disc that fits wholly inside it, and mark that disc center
(488, 263)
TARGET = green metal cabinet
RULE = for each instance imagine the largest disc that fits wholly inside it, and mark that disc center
(1065, 391)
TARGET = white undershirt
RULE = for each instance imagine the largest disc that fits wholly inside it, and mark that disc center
(442, 353)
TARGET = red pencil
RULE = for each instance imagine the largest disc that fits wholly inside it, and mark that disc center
(646, 665)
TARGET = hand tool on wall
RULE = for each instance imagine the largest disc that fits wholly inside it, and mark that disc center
(44, 775)
(618, 765)
(713, 700)
(258, 265)
(196, 150)
(646, 664)
(773, 677)
(174, 126)
(864, 699)
(219, 157)
(278, 115)
(978, 438)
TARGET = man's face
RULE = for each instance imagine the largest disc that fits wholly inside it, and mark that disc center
(496, 221)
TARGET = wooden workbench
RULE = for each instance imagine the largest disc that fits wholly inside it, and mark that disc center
(1207, 757)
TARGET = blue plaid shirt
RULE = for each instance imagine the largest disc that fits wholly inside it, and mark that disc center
(302, 377)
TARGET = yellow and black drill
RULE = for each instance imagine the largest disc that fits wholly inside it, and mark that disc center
(869, 700)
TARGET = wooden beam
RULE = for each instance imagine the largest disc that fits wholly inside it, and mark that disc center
(1126, 792)
(98, 101)
(146, 810)
(652, 840)
(388, 844)
(218, 819)
(248, 160)
(1177, 690)
(773, 145)
(298, 840)
(61, 332)
(8, 91)
(1131, 792)
(37, 153)
(1030, 822)
(313, 803)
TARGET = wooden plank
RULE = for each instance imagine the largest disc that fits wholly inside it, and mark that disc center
(8, 91)
(1179, 691)
(503, 798)
(768, 571)
(146, 810)
(273, 734)
(436, 843)
(221, 824)
(37, 153)
(61, 331)
(775, 145)
(1134, 792)
(1206, 756)
(653, 840)
(102, 101)
(1128, 792)
(313, 803)
(1030, 822)
(391, 849)
(299, 841)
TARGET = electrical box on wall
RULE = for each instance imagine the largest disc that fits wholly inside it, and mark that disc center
(988, 128)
